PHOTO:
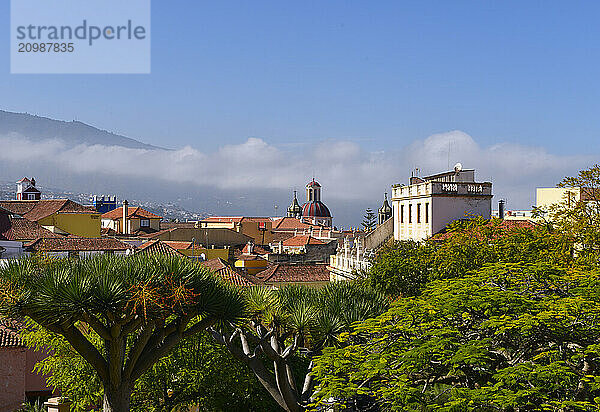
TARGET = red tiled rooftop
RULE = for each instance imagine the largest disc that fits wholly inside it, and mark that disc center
(178, 245)
(35, 210)
(294, 273)
(158, 247)
(132, 212)
(9, 333)
(23, 229)
(302, 240)
(75, 244)
(220, 268)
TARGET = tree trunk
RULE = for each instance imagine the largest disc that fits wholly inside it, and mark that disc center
(116, 400)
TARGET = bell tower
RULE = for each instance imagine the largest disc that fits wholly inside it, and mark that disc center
(313, 191)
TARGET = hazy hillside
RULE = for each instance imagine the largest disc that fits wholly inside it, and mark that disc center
(39, 128)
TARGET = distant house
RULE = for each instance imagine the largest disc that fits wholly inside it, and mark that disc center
(207, 237)
(26, 190)
(15, 231)
(127, 220)
(251, 264)
(19, 382)
(279, 275)
(61, 216)
(428, 204)
(300, 244)
(78, 247)
(258, 228)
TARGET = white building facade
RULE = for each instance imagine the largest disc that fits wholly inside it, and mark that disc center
(427, 205)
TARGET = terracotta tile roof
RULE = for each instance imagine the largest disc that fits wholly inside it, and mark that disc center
(294, 273)
(302, 240)
(9, 333)
(178, 245)
(35, 210)
(290, 223)
(222, 269)
(132, 212)
(158, 247)
(258, 250)
(75, 244)
(23, 229)
(281, 236)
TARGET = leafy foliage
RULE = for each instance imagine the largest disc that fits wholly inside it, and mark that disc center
(403, 268)
(579, 216)
(507, 337)
(286, 328)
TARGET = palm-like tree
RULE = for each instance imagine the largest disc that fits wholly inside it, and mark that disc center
(140, 307)
(296, 320)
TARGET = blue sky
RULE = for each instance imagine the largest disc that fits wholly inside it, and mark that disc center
(260, 95)
(380, 73)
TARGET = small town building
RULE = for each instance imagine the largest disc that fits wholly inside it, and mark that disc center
(19, 383)
(251, 264)
(257, 228)
(26, 190)
(548, 198)
(104, 203)
(427, 205)
(127, 220)
(300, 244)
(61, 216)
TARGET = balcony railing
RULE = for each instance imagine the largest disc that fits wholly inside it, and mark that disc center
(443, 188)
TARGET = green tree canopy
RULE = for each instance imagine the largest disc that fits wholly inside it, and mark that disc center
(288, 327)
(508, 337)
(139, 307)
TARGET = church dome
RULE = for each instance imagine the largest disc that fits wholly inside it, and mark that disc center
(316, 208)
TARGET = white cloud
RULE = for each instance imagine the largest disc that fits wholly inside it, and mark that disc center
(347, 171)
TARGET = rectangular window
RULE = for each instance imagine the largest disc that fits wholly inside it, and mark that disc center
(30, 196)
(401, 213)
(409, 213)
(418, 213)
(426, 212)
(145, 223)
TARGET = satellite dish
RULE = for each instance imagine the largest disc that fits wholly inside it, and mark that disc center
(458, 167)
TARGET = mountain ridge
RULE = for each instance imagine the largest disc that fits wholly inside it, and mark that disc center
(38, 128)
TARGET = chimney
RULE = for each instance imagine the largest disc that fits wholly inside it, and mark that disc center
(125, 214)
(501, 208)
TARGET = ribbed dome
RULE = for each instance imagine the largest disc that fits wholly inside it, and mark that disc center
(313, 183)
(315, 209)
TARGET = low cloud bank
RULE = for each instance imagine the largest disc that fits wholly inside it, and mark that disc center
(345, 169)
